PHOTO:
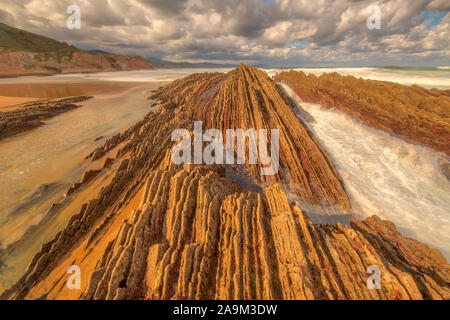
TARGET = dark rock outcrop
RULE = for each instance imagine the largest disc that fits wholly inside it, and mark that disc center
(30, 116)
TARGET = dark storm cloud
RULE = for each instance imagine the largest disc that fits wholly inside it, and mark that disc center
(166, 7)
(331, 31)
(99, 13)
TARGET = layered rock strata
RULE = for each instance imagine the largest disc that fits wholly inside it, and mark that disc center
(415, 113)
(166, 231)
(246, 98)
(30, 116)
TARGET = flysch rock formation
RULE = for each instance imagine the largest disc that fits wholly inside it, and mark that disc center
(246, 98)
(166, 231)
(415, 113)
(30, 116)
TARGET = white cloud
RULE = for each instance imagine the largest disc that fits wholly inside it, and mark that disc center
(248, 30)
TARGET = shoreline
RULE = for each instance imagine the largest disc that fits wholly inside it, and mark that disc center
(16, 95)
(50, 213)
(127, 239)
(40, 74)
(12, 103)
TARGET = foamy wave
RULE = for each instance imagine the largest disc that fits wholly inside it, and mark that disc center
(387, 176)
(424, 78)
(158, 75)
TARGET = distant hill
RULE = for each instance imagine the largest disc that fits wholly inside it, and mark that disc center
(99, 51)
(23, 52)
(170, 64)
(19, 40)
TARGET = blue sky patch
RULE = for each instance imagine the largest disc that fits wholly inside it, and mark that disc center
(296, 44)
(433, 18)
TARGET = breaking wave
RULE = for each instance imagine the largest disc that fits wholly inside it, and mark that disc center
(387, 176)
(438, 78)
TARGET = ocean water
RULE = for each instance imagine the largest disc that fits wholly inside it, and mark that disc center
(382, 174)
(438, 78)
(385, 175)
(32, 160)
(38, 166)
(158, 75)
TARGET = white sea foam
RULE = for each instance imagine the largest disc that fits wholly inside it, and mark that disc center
(386, 176)
(158, 75)
(427, 78)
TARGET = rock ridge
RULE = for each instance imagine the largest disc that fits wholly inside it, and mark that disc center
(166, 231)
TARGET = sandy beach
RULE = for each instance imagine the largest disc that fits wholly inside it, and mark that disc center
(13, 95)
(8, 103)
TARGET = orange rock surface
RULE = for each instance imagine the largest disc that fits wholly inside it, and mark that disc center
(246, 98)
(417, 114)
(165, 231)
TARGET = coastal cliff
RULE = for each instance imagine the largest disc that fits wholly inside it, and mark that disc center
(32, 63)
(26, 53)
(158, 230)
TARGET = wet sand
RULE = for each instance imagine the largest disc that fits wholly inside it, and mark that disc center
(41, 164)
(19, 93)
(9, 103)
(35, 163)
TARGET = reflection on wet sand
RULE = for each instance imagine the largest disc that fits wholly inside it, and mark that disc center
(24, 92)
(40, 165)
(7, 102)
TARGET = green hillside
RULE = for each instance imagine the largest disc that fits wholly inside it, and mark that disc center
(19, 40)
(44, 49)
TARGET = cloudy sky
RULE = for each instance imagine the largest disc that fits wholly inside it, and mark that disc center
(270, 32)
